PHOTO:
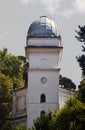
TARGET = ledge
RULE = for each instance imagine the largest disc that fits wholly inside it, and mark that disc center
(32, 46)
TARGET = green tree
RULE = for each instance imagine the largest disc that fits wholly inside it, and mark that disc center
(11, 77)
(11, 66)
(20, 127)
(25, 68)
(44, 122)
(81, 38)
(81, 91)
(5, 101)
(71, 116)
(81, 35)
(81, 60)
(66, 83)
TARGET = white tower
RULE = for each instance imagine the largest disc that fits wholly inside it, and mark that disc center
(43, 51)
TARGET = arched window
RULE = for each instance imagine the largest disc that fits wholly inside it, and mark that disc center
(43, 98)
(42, 113)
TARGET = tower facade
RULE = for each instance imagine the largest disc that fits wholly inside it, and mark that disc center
(43, 52)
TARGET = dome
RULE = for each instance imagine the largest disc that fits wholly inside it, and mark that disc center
(44, 27)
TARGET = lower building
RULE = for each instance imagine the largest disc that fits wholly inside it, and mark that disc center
(19, 113)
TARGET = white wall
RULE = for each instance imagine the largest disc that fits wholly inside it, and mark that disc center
(37, 60)
(44, 41)
(64, 94)
(36, 88)
(43, 62)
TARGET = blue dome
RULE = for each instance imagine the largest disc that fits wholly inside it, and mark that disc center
(44, 27)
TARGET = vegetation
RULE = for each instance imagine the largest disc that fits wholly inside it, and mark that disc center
(81, 38)
(11, 66)
(25, 68)
(20, 127)
(66, 83)
(70, 117)
(5, 101)
(11, 77)
(44, 122)
(81, 91)
(81, 60)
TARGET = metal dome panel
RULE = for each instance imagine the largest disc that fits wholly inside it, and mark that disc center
(44, 27)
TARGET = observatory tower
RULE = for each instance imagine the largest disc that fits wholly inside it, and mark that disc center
(43, 52)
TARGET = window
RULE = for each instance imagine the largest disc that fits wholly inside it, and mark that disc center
(42, 113)
(43, 98)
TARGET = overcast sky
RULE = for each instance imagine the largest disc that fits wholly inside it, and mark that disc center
(17, 15)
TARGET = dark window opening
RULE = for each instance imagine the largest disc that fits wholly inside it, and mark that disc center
(43, 98)
(42, 113)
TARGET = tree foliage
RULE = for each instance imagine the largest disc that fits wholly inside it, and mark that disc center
(81, 60)
(11, 77)
(25, 69)
(81, 34)
(11, 66)
(20, 127)
(5, 101)
(81, 38)
(66, 83)
(44, 122)
(71, 116)
(81, 91)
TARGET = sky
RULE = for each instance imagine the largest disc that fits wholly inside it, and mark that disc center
(17, 15)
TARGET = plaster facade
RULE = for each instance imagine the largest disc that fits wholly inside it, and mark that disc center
(19, 111)
(43, 62)
(20, 117)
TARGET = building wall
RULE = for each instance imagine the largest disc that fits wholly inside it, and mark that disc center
(44, 41)
(43, 63)
(36, 88)
(64, 94)
(19, 113)
(40, 60)
(20, 117)
(19, 101)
